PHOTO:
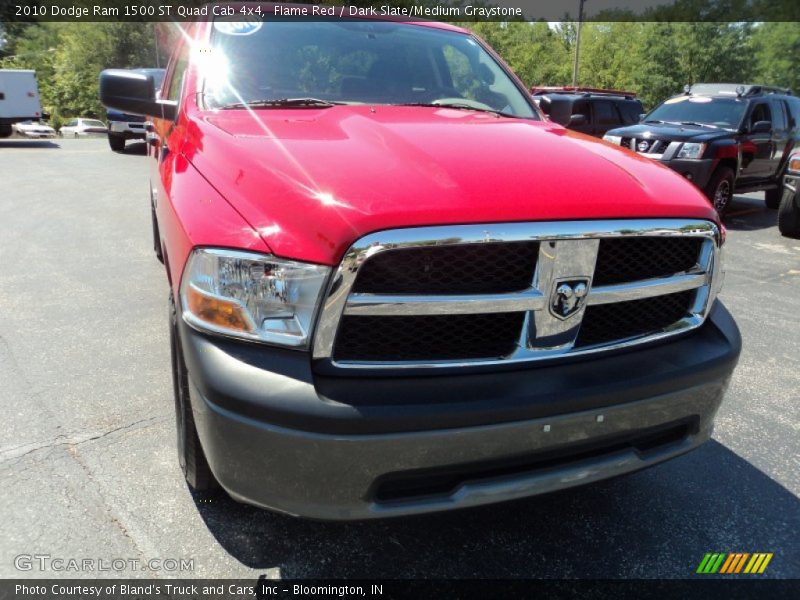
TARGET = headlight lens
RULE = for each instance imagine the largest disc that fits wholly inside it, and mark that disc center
(252, 296)
(691, 150)
(794, 163)
(614, 139)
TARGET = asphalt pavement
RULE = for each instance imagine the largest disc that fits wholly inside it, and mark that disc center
(88, 465)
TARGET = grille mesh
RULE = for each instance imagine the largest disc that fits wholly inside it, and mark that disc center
(605, 323)
(465, 269)
(623, 260)
(495, 267)
(439, 337)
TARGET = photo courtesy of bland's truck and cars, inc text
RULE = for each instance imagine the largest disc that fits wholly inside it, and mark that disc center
(400, 299)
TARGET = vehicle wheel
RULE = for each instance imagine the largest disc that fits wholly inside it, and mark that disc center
(190, 453)
(772, 198)
(156, 235)
(5, 131)
(789, 215)
(116, 142)
(720, 189)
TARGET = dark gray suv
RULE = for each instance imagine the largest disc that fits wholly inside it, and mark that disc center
(789, 213)
(725, 138)
(588, 110)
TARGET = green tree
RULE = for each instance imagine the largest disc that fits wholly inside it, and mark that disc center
(68, 58)
(776, 47)
(85, 51)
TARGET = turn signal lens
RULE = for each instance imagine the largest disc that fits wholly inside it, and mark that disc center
(794, 163)
(216, 311)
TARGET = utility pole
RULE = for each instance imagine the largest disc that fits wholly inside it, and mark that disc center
(577, 45)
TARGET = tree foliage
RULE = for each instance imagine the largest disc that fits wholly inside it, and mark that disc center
(68, 58)
(654, 58)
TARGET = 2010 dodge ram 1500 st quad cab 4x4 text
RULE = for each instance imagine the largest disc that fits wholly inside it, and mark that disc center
(397, 289)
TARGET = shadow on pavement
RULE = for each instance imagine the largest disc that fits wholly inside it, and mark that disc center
(657, 523)
(28, 144)
(748, 214)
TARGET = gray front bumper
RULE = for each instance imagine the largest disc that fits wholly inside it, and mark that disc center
(280, 436)
(334, 476)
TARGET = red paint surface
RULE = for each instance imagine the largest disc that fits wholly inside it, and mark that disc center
(306, 183)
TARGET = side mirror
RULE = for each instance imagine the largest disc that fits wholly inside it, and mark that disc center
(134, 93)
(761, 127)
(576, 120)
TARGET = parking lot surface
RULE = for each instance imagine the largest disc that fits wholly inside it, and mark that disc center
(88, 465)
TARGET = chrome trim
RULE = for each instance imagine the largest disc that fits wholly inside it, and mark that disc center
(568, 250)
(384, 305)
(647, 288)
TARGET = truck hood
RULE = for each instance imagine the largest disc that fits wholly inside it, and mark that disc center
(671, 132)
(312, 181)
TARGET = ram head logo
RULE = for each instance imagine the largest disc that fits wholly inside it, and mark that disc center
(568, 297)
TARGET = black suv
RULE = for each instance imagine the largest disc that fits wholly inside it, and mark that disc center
(588, 110)
(724, 137)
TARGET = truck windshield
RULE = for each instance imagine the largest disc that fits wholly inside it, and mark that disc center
(322, 63)
(726, 113)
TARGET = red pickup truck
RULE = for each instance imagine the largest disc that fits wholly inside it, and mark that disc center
(396, 288)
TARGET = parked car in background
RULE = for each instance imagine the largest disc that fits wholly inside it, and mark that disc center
(396, 289)
(83, 128)
(35, 129)
(723, 137)
(19, 99)
(122, 126)
(588, 110)
(789, 211)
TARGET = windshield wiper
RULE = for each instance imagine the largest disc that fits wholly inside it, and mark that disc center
(699, 124)
(459, 106)
(663, 122)
(282, 103)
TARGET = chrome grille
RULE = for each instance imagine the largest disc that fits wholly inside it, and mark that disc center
(653, 148)
(433, 337)
(514, 292)
(450, 269)
(607, 323)
(623, 260)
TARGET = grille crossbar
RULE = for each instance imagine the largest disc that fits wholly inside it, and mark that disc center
(361, 329)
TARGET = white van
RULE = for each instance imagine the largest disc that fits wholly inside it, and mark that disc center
(19, 99)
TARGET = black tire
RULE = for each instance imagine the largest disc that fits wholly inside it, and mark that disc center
(772, 198)
(116, 142)
(720, 189)
(156, 235)
(190, 453)
(789, 214)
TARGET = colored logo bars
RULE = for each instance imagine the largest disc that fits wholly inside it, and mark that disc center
(734, 562)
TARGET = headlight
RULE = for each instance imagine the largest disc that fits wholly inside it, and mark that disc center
(614, 139)
(691, 150)
(252, 296)
(794, 163)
